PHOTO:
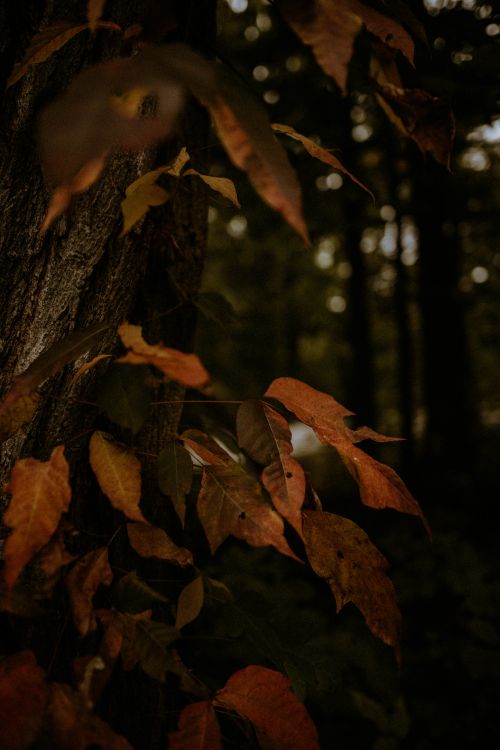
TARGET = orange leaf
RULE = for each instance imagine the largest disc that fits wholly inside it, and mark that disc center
(88, 366)
(150, 541)
(266, 437)
(23, 696)
(264, 697)
(198, 729)
(40, 494)
(82, 582)
(244, 129)
(318, 152)
(342, 554)
(118, 472)
(380, 486)
(74, 727)
(51, 361)
(183, 368)
(221, 185)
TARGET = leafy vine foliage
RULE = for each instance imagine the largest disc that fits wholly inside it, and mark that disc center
(265, 499)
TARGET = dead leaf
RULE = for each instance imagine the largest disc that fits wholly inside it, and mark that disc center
(82, 582)
(95, 10)
(264, 697)
(330, 27)
(318, 152)
(147, 642)
(342, 554)
(150, 541)
(23, 697)
(51, 361)
(245, 132)
(40, 494)
(426, 119)
(175, 475)
(206, 448)
(190, 603)
(17, 415)
(220, 184)
(118, 472)
(88, 366)
(380, 486)
(185, 369)
(198, 729)
(74, 727)
(265, 436)
(50, 561)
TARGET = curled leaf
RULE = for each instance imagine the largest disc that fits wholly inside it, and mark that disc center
(220, 184)
(342, 554)
(89, 366)
(82, 582)
(264, 697)
(40, 494)
(150, 541)
(118, 472)
(183, 368)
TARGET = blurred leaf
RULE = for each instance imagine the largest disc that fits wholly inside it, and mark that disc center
(82, 582)
(175, 475)
(95, 10)
(318, 152)
(265, 436)
(198, 729)
(216, 307)
(88, 366)
(17, 415)
(23, 696)
(124, 395)
(150, 541)
(263, 697)
(148, 645)
(118, 473)
(185, 369)
(190, 603)
(342, 554)
(131, 594)
(51, 361)
(40, 494)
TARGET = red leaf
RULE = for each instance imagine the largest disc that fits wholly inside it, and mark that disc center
(266, 437)
(23, 696)
(264, 697)
(342, 554)
(198, 729)
(380, 486)
(183, 368)
(40, 494)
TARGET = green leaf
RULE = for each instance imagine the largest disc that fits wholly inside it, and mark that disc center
(124, 396)
(175, 475)
(133, 595)
(218, 308)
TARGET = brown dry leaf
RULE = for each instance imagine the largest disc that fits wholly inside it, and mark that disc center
(95, 10)
(265, 436)
(380, 486)
(183, 368)
(23, 697)
(198, 729)
(88, 366)
(74, 727)
(82, 582)
(265, 698)
(342, 554)
(190, 603)
(118, 472)
(50, 560)
(426, 119)
(19, 413)
(318, 152)
(245, 132)
(221, 185)
(150, 541)
(40, 494)
(50, 361)
(92, 673)
(330, 27)
(231, 502)
(207, 449)
(49, 40)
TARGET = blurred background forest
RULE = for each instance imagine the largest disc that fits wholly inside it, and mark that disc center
(394, 311)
